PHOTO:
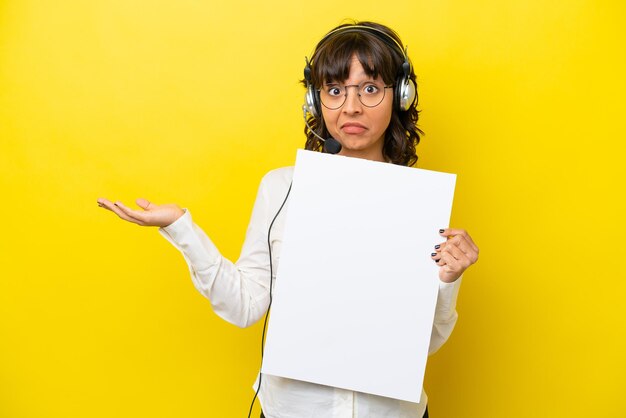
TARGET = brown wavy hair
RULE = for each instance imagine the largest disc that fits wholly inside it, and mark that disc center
(379, 56)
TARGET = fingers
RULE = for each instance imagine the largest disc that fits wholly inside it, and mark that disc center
(451, 269)
(453, 263)
(451, 253)
(122, 211)
(143, 203)
(140, 218)
(105, 204)
(149, 214)
(451, 232)
(102, 201)
(454, 255)
(460, 241)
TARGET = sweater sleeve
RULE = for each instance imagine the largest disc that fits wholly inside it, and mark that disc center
(238, 292)
(445, 314)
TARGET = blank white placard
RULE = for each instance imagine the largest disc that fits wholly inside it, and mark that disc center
(356, 289)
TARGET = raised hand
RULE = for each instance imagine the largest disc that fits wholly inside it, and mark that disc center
(151, 215)
(455, 255)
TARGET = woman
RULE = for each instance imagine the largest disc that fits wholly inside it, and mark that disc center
(361, 101)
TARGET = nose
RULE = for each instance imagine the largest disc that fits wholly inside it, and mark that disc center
(353, 103)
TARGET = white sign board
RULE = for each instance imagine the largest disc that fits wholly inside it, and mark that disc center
(356, 288)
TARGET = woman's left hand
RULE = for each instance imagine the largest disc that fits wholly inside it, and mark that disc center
(455, 255)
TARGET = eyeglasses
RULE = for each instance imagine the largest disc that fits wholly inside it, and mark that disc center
(370, 93)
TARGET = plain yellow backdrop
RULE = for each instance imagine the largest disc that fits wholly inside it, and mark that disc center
(192, 102)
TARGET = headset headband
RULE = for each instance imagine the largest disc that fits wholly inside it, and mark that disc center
(375, 31)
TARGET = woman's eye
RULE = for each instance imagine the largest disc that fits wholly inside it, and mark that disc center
(334, 91)
(370, 89)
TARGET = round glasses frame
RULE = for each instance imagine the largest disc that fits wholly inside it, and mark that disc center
(345, 95)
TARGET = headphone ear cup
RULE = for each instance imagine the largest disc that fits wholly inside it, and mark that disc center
(312, 102)
(404, 93)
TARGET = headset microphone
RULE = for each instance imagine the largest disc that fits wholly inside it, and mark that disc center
(331, 145)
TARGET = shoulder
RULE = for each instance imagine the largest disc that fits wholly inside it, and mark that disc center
(278, 178)
(274, 186)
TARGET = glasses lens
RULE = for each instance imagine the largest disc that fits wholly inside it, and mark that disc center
(370, 94)
(333, 96)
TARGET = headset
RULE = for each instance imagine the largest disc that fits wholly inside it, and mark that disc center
(404, 92)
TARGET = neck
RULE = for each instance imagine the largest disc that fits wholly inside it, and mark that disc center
(376, 155)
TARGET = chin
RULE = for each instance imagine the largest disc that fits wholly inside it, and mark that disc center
(356, 144)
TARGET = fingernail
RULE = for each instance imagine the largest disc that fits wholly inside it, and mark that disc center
(437, 246)
(441, 231)
(433, 254)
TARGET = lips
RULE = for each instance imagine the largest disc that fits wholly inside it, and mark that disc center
(353, 128)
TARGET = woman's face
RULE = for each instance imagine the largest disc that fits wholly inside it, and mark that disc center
(359, 129)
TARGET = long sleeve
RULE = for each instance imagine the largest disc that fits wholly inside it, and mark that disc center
(239, 292)
(445, 314)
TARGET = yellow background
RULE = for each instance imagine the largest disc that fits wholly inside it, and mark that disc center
(192, 102)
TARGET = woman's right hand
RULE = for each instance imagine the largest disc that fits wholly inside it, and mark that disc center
(152, 215)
